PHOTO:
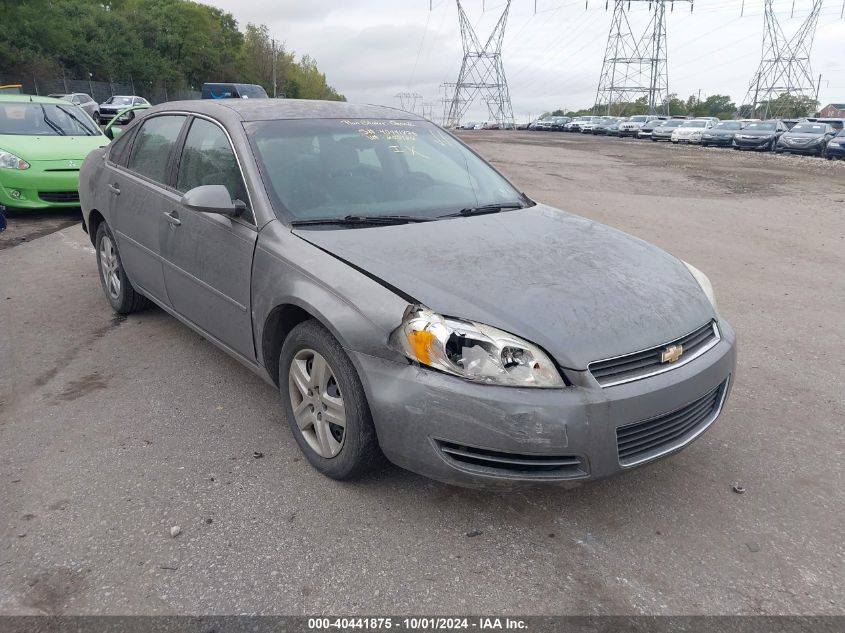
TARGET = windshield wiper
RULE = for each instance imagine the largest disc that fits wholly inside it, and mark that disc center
(357, 220)
(52, 123)
(86, 129)
(487, 208)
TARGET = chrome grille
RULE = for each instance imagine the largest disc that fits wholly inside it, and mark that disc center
(621, 369)
(498, 462)
(646, 440)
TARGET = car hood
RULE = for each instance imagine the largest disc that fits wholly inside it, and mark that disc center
(723, 132)
(33, 148)
(756, 133)
(800, 136)
(581, 290)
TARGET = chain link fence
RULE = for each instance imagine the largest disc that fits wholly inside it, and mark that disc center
(99, 90)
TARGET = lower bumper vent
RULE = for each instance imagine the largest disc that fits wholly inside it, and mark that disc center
(513, 464)
(59, 196)
(642, 441)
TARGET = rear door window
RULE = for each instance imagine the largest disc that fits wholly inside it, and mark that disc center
(153, 147)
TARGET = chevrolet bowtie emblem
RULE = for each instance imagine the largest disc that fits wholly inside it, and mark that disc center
(671, 353)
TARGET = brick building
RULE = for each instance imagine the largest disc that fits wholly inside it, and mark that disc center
(832, 111)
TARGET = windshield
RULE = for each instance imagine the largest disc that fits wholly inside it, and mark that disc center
(638, 119)
(729, 125)
(841, 132)
(120, 100)
(762, 125)
(809, 128)
(694, 124)
(331, 168)
(250, 91)
(673, 123)
(45, 119)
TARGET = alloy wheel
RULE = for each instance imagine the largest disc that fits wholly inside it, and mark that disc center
(317, 403)
(110, 267)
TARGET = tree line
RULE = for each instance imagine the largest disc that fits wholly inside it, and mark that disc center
(150, 42)
(721, 106)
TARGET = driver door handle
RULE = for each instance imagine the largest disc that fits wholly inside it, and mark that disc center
(114, 189)
(173, 218)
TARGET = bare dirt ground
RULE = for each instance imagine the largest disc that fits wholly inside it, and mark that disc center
(114, 430)
(24, 226)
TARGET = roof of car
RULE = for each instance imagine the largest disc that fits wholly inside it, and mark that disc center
(28, 98)
(271, 109)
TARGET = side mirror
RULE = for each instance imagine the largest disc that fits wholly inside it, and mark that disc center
(213, 199)
(113, 132)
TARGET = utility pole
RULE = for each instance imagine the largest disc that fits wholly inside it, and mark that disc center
(482, 75)
(274, 66)
(784, 69)
(634, 65)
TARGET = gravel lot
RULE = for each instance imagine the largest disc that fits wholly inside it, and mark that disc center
(112, 431)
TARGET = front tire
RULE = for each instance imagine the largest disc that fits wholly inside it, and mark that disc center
(122, 296)
(325, 404)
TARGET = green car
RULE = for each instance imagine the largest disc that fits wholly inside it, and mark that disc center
(43, 142)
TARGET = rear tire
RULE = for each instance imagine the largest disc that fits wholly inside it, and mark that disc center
(120, 293)
(319, 388)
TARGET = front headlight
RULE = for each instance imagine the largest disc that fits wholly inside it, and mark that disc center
(10, 161)
(704, 281)
(473, 351)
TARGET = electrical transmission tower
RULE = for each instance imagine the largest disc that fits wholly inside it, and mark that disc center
(635, 65)
(408, 101)
(783, 84)
(482, 74)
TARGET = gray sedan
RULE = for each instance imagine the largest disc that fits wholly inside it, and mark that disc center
(405, 299)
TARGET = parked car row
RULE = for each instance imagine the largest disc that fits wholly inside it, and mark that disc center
(44, 140)
(104, 112)
(812, 136)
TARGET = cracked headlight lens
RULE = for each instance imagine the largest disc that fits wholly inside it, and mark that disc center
(473, 351)
(704, 281)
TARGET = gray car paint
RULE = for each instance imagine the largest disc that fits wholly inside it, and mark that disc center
(582, 290)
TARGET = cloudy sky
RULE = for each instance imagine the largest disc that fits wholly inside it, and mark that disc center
(372, 50)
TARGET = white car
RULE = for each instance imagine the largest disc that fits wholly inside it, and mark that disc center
(634, 123)
(691, 131)
(587, 126)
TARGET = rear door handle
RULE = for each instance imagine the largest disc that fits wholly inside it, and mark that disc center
(173, 218)
(114, 189)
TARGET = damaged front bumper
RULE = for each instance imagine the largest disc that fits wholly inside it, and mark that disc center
(487, 436)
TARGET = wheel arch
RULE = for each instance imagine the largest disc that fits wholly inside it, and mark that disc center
(278, 324)
(95, 218)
